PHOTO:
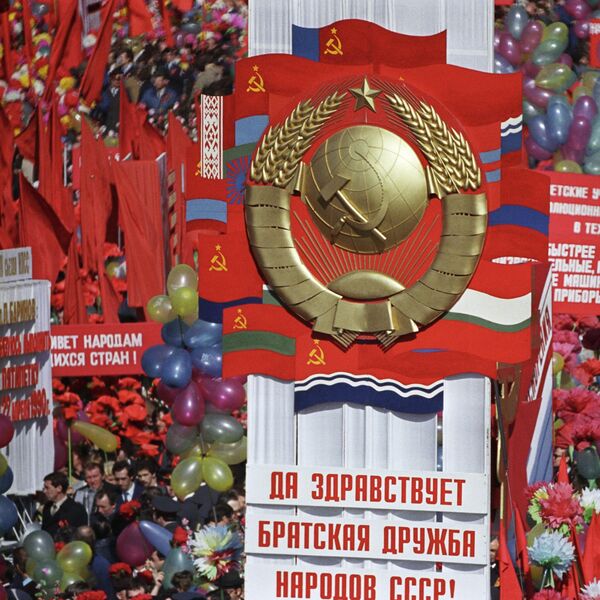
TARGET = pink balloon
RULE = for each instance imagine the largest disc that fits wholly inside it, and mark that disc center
(530, 69)
(224, 394)
(132, 546)
(60, 453)
(574, 154)
(578, 9)
(536, 95)
(7, 431)
(566, 59)
(188, 408)
(509, 48)
(63, 433)
(582, 29)
(535, 150)
(585, 107)
(166, 393)
(496, 39)
(579, 133)
(531, 36)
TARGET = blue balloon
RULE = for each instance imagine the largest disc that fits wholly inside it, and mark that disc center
(173, 332)
(6, 481)
(202, 334)
(209, 361)
(515, 20)
(176, 561)
(157, 536)
(538, 128)
(559, 117)
(177, 368)
(154, 358)
(8, 515)
(501, 65)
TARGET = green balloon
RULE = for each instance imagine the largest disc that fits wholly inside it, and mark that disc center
(74, 556)
(548, 52)
(591, 166)
(187, 477)
(588, 81)
(593, 144)
(176, 561)
(39, 545)
(217, 474)
(47, 573)
(231, 454)
(567, 166)
(556, 77)
(556, 31)
(3, 465)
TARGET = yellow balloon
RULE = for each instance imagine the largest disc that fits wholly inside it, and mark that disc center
(67, 83)
(105, 440)
(160, 309)
(195, 451)
(217, 474)
(74, 556)
(567, 166)
(111, 268)
(181, 276)
(558, 363)
(3, 464)
(185, 301)
(231, 454)
(187, 477)
(68, 579)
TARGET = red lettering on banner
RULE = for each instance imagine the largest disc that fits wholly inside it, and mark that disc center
(420, 588)
(325, 586)
(431, 541)
(283, 485)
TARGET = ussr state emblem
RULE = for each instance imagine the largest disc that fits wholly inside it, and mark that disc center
(365, 210)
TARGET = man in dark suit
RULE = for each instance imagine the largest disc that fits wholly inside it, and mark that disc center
(129, 488)
(60, 510)
(160, 98)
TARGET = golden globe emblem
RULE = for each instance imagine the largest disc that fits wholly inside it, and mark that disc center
(366, 189)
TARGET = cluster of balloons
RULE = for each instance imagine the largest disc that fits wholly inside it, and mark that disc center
(563, 128)
(50, 569)
(8, 511)
(204, 434)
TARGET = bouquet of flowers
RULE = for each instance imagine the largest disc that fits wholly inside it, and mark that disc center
(216, 551)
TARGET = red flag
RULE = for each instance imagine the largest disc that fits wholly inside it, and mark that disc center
(61, 197)
(95, 200)
(8, 208)
(563, 473)
(183, 5)
(29, 53)
(140, 18)
(140, 218)
(43, 157)
(509, 582)
(591, 554)
(42, 229)
(129, 126)
(26, 140)
(110, 298)
(7, 57)
(521, 540)
(572, 583)
(66, 50)
(152, 142)
(93, 77)
(164, 13)
(74, 309)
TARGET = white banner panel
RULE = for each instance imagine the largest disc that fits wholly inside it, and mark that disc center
(315, 583)
(363, 488)
(372, 539)
(15, 264)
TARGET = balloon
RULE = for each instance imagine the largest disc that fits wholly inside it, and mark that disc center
(166, 394)
(558, 118)
(548, 52)
(68, 579)
(105, 440)
(556, 31)
(224, 394)
(555, 77)
(160, 309)
(173, 331)
(47, 573)
(203, 334)
(209, 361)
(536, 95)
(185, 301)
(515, 21)
(591, 166)
(60, 453)
(585, 107)
(73, 556)
(530, 69)
(154, 358)
(8, 515)
(3, 465)
(177, 368)
(157, 536)
(221, 428)
(496, 39)
(39, 545)
(566, 59)
(530, 111)
(6, 481)
(538, 129)
(180, 438)
(501, 65)
(217, 474)
(567, 166)
(588, 463)
(231, 454)
(589, 79)
(181, 276)
(188, 408)
(7, 431)
(509, 48)
(574, 154)
(579, 134)
(558, 363)
(132, 546)
(177, 561)
(187, 477)
(62, 429)
(596, 92)
(531, 36)
(581, 29)
(578, 9)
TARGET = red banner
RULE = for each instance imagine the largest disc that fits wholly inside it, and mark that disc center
(595, 43)
(574, 243)
(112, 349)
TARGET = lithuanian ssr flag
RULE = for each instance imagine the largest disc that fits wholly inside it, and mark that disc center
(354, 42)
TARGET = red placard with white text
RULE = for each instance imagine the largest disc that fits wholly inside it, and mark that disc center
(595, 43)
(111, 349)
(574, 247)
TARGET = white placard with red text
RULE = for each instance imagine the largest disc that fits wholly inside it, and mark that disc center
(368, 539)
(362, 488)
(315, 583)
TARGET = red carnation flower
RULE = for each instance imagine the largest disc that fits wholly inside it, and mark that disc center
(180, 536)
(130, 510)
(136, 412)
(129, 383)
(58, 546)
(146, 574)
(561, 507)
(120, 568)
